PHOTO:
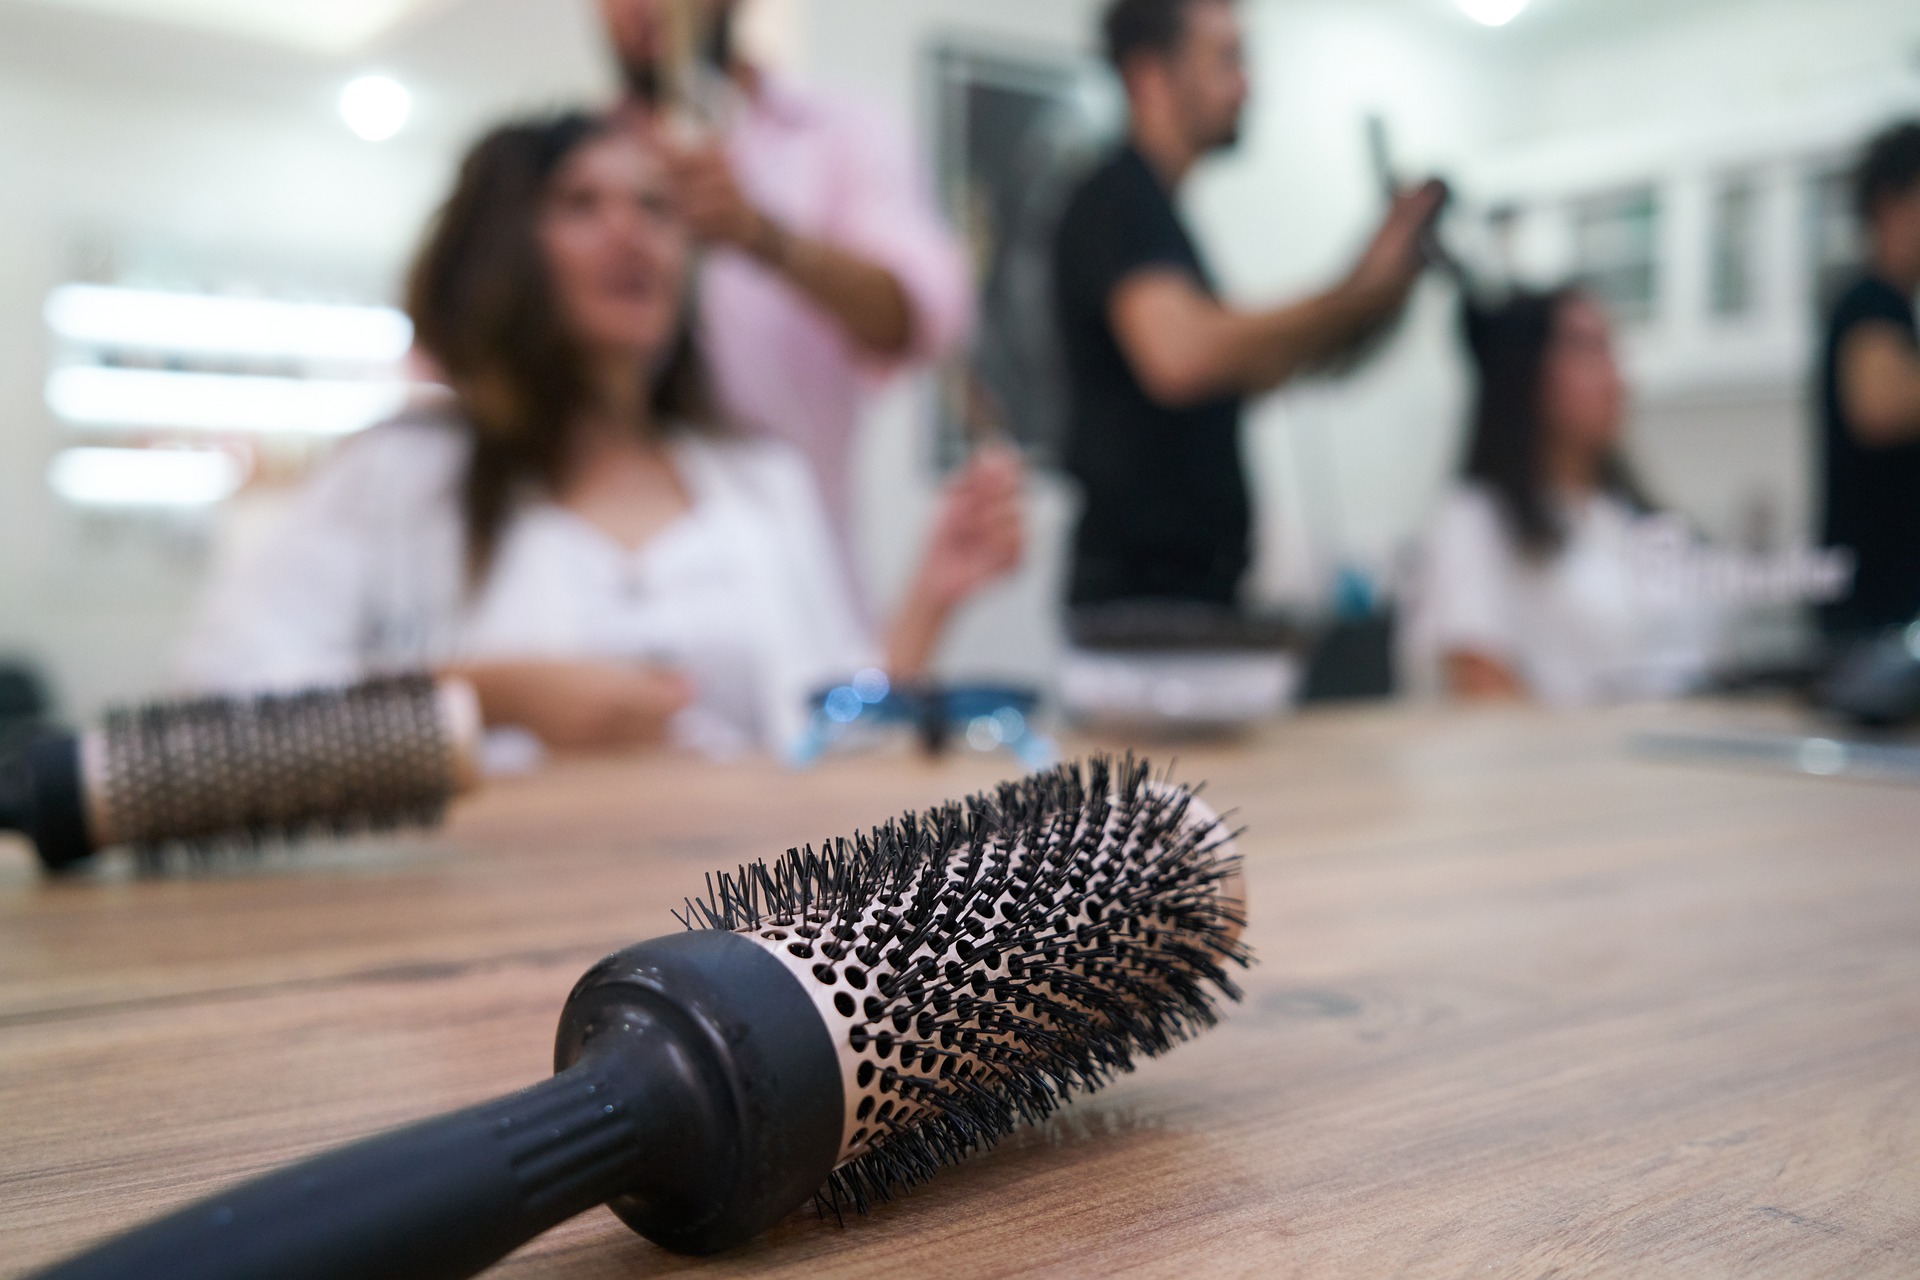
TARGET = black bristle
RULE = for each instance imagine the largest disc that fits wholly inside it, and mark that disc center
(197, 779)
(1013, 952)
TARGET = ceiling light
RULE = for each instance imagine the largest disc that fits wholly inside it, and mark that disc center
(319, 26)
(375, 107)
(205, 324)
(90, 396)
(144, 477)
(1492, 13)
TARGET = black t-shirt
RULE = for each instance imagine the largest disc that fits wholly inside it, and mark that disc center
(1167, 513)
(1872, 494)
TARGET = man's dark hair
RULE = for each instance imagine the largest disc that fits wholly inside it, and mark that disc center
(1145, 26)
(1889, 169)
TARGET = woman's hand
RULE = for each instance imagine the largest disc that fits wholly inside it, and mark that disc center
(1474, 677)
(580, 706)
(979, 536)
(981, 531)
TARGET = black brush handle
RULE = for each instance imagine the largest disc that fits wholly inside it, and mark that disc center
(43, 797)
(437, 1201)
(698, 1091)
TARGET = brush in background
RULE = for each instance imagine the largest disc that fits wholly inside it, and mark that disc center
(1432, 247)
(693, 92)
(226, 772)
(1367, 345)
(838, 1024)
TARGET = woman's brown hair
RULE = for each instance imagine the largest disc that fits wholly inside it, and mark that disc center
(1507, 449)
(483, 308)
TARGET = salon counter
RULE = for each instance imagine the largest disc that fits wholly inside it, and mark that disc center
(1526, 1003)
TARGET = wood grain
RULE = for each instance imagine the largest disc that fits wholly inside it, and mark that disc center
(1526, 1005)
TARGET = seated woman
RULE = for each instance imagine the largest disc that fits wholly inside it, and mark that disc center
(1532, 582)
(576, 534)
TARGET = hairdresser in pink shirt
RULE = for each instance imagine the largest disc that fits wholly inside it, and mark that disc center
(828, 268)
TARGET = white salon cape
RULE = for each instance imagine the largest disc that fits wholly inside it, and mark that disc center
(744, 594)
(1595, 622)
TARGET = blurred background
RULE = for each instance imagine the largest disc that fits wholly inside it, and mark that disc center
(1686, 158)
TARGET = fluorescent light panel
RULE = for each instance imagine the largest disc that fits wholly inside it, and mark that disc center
(164, 478)
(321, 26)
(89, 396)
(206, 324)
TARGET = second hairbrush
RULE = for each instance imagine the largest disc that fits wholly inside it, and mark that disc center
(209, 773)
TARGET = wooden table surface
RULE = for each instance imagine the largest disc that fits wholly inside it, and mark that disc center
(1526, 1005)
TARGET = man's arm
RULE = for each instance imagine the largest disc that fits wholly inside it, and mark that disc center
(1880, 384)
(1186, 348)
(866, 298)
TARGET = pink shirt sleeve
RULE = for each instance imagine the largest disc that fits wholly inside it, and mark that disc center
(885, 212)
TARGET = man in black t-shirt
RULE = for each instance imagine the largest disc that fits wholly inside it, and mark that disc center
(1870, 399)
(1157, 366)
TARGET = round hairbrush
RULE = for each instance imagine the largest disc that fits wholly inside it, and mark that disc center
(212, 773)
(836, 1024)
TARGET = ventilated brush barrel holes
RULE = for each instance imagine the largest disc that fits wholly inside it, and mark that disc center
(978, 965)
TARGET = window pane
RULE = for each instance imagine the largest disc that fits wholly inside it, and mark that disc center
(1616, 243)
(1736, 207)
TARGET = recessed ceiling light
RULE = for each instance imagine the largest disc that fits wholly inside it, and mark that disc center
(1492, 13)
(375, 107)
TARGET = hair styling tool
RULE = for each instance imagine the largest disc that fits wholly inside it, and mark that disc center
(837, 1025)
(692, 69)
(217, 772)
(1432, 247)
(1363, 346)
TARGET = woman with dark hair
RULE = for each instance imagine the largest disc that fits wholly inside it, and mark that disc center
(1533, 579)
(575, 534)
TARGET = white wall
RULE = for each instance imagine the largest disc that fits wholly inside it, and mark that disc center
(1716, 68)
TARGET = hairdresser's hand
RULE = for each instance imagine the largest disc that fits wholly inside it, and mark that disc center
(711, 201)
(581, 706)
(1388, 270)
(637, 31)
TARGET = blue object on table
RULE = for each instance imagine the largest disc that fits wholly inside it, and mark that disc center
(985, 717)
(1354, 595)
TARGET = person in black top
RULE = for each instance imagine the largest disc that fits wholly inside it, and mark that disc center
(1870, 399)
(1157, 366)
